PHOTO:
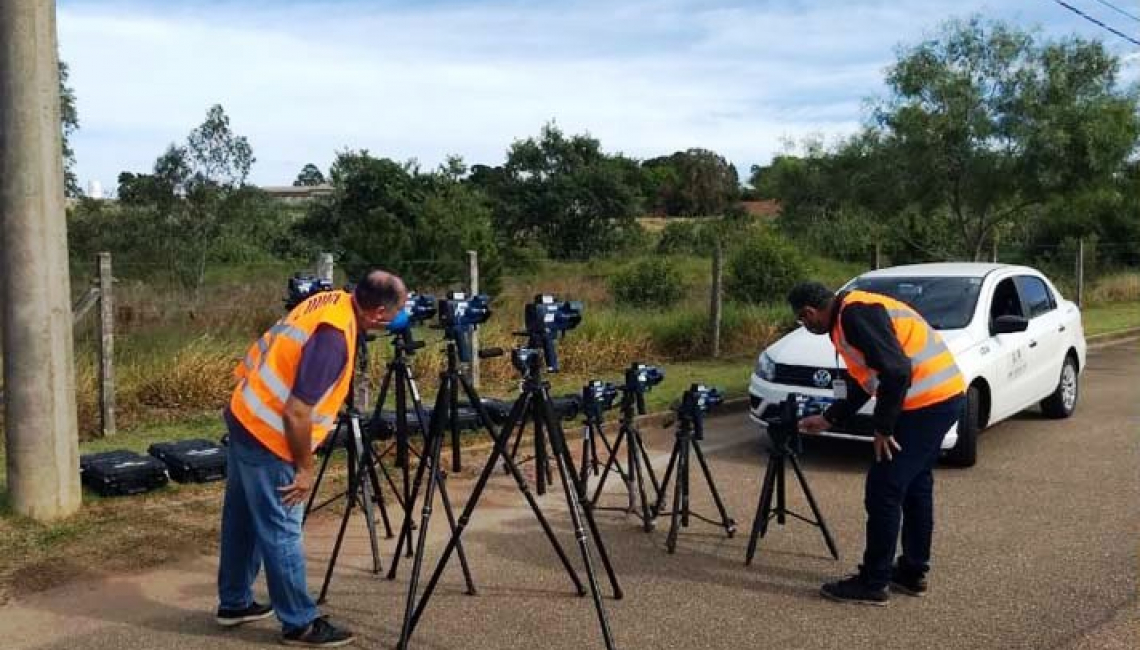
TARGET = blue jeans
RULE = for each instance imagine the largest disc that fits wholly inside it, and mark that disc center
(901, 492)
(258, 528)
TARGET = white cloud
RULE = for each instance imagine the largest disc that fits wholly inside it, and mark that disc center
(304, 78)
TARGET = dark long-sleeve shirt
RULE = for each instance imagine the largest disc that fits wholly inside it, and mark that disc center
(868, 329)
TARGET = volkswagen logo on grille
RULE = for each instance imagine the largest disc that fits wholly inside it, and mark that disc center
(821, 378)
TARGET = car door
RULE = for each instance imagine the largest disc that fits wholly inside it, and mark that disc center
(1045, 336)
(1008, 354)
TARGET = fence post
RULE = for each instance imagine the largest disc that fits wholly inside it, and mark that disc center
(106, 346)
(473, 285)
(995, 253)
(1080, 272)
(878, 255)
(715, 306)
(325, 266)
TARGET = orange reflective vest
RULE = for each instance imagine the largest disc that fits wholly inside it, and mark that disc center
(266, 375)
(934, 375)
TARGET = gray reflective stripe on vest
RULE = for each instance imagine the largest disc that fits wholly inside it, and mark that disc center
(934, 347)
(270, 417)
(931, 381)
(260, 410)
(267, 339)
(269, 377)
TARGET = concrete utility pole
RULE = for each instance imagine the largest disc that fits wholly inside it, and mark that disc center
(39, 369)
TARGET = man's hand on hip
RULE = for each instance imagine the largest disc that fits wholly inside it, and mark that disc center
(883, 446)
(298, 491)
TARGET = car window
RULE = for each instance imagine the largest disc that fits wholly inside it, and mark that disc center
(1006, 301)
(1037, 297)
(945, 302)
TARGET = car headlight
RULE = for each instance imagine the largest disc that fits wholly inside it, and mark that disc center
(765, 367)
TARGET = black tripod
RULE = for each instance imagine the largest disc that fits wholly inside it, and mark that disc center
(363, 490)
(637, 459)
(533, 402)
(690, 432)
(782, 431)
(444, 417)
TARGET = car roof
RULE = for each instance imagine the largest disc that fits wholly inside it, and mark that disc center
(942, 269)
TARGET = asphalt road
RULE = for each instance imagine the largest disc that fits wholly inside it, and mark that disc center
(1035, 547)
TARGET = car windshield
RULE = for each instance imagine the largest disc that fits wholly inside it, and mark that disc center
(946, 303)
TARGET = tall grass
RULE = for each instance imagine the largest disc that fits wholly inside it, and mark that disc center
(175, 353)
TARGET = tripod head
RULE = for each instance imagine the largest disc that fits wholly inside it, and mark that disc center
(783, 422)
(639, 379)
(695, 402)
(459, 316)
(546, 320)
(418, 309)
(597, 397)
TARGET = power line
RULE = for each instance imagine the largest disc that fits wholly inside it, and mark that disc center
(1095, 21)
(1118, 10)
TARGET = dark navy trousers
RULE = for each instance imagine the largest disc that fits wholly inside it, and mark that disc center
(900, 493)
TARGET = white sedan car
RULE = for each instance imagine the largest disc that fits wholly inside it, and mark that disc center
(1016, 339)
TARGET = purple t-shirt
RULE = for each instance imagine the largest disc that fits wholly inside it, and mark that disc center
(322, 361)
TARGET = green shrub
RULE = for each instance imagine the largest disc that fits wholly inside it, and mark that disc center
(763, 268)
(648, 283)
(687, 236)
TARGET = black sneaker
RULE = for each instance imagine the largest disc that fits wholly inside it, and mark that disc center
(853, 590)
(232, 617)
(318, 634)
(906, 581)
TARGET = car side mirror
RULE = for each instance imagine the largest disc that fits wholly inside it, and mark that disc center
(1009, 325)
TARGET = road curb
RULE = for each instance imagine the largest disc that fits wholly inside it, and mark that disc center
(1112, 338)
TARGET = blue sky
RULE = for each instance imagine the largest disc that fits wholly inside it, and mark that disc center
(305, 78)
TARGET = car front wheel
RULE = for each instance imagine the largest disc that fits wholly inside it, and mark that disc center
(1063, 401)
(965, 452)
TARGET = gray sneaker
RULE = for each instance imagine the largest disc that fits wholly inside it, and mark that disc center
(318, 634)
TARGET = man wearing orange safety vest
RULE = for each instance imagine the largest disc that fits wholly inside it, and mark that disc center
(290, 387)
(893, 354)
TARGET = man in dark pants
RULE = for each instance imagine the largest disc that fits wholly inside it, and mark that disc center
(893, 354)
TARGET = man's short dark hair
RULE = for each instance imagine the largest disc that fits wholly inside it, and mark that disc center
(809, 294)
(378, 288)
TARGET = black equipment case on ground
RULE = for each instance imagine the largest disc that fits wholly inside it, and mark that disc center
(117, 473)
(192, 461)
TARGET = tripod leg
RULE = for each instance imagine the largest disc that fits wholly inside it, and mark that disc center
(635, 460)
(471, 591)
(434, 442)
(406, 526)
(500, 450)
(683, 478)
(815, 509)
(671, 539)
(567, 475)
(377, 492)
(541, 462)
(363, 472)
(636, 435)
(453, 409)
(518, 441)
(668, 475)
(350, 503)
(610, 463)
(781, 496)
(763, 509)
(728, 522)
(320, 476)
(587, 440)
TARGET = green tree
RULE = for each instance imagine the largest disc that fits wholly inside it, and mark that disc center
(422, 224)
(310, 175)
(69, 121)
(984, 125)
(565, 194)
(695, 182)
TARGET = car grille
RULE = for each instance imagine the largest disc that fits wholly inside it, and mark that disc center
(804, 375)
